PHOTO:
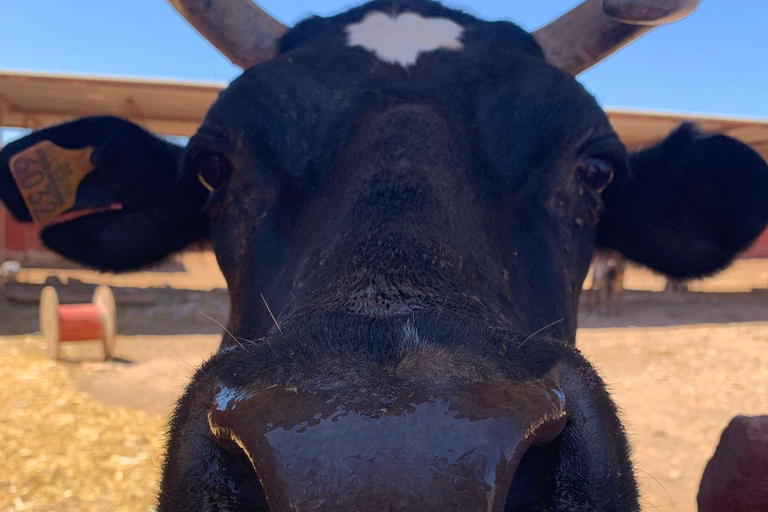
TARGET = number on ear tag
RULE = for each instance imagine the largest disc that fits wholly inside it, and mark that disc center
(48, 177)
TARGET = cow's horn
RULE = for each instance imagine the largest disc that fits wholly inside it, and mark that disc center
(239, 29)
(595, 29)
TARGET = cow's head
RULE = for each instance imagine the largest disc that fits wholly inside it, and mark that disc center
(404, 201)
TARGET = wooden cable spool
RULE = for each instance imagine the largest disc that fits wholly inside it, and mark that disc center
(78, 322)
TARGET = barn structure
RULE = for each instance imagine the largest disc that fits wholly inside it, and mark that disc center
(34, 100)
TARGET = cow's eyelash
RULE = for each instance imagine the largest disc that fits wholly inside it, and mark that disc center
(208, 141)
(608, 148)
(196, 148)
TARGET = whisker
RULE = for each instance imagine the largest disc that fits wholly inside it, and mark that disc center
(173, 344)
(646, 500)
(270, 313)
(440, 312)
(537, 332)
(237, 340)
(582, 323)
(669, 497)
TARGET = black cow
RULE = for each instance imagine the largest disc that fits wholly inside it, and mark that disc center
(404, 201)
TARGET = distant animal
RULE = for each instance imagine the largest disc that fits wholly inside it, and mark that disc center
(607, 290)
(676, 286)
(9, 270)
(404, 200)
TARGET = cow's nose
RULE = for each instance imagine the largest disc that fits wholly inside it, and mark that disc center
(455, 449)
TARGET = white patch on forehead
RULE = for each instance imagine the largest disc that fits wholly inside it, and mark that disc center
(400, 40)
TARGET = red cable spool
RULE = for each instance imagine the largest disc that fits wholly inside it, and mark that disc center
(78, 322)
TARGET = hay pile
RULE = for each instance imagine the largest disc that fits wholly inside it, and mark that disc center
(63, 450)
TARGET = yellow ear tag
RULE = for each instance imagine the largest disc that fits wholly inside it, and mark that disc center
(48, 177)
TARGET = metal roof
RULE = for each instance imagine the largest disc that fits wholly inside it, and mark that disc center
(31, 100)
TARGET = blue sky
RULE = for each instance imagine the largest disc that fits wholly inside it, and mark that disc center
(716, 61)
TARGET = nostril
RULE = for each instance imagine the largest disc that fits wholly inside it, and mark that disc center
(220, 416)
(534, 482)
(242, 488)
(224, 437)
(243, 485)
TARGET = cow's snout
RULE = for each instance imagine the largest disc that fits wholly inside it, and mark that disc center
(455, 448)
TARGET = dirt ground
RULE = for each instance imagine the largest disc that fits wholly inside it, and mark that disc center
(86, 435)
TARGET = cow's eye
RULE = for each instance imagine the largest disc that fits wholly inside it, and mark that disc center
(212, 169)
(597, 173)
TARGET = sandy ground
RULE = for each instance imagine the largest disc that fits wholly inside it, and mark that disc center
(84, 435)
(678, 387)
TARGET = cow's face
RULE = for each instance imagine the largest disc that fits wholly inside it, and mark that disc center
(404, 225)
(342, 182)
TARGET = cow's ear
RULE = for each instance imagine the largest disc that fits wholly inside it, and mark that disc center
(687, 206)
(108, 194)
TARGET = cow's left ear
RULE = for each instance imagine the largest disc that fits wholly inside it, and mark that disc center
(688, 205)
(108, 194)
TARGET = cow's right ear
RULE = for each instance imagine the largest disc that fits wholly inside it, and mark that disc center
(108, 194)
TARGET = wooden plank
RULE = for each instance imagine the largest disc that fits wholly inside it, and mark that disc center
(31, 100)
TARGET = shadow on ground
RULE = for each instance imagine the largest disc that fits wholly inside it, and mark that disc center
(165, 311)
(661, 309)
(139, 310)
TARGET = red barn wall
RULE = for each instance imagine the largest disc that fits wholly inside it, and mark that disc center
(18, 237)
(760, 247)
